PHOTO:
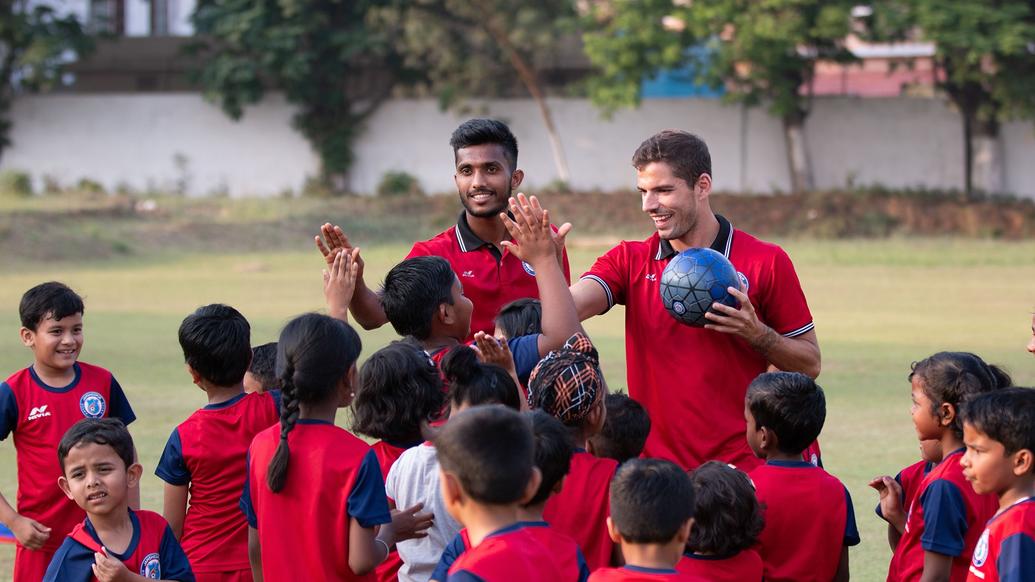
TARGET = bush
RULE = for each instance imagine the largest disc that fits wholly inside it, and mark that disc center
(15, 183)
(88, 186)
(399, 184)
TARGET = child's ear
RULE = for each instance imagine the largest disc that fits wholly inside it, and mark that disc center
(767, 440)
(684, 532)
(532, 486)
(133, 473)
(452, 494)
(596, 417)
(946, 414)
(445, 313)
(194, 375)
(612, 532)
(28, 337)
(347, 387)
(1023, 462)
(63, 484)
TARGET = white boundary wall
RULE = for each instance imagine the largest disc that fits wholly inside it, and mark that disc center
(166, 141)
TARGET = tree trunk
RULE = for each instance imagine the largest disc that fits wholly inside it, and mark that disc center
(797, 153)
(987, 151)
(968, 150)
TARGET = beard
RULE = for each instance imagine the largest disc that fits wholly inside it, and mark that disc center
(486, 212)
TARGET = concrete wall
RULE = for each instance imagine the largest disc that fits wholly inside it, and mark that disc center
(170, 140)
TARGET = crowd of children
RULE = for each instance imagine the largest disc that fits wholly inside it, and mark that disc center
(503, 459)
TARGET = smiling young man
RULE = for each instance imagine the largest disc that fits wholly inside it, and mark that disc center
(692, 381)
(486, 173)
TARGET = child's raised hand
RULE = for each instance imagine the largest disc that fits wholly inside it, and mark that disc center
(29, 532)
(534, 240)
(410, 524)
(331, 240)
(491, 350)
(339, 282)
(890, 500)
(108, 569)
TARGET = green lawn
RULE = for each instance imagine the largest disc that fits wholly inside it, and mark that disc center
(878, 305)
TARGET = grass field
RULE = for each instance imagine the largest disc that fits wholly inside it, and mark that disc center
(878, 306)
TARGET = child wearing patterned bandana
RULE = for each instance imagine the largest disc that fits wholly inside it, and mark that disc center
(568, 385)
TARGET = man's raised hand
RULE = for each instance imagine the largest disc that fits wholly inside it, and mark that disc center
(331, 240)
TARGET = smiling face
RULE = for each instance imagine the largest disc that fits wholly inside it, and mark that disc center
(670, 202)
(484, 179)
(55, 343)
(97, 479)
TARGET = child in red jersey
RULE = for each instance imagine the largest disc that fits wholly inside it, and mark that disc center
(999, 431)
(569, 385)
(945, 518)
(904, 487)
(399, 390)
(487, 472)
(727, 522)
(809, 519)
(314, 496)
(652, 511)
(38, 405)
(262, 374)
(553, 450)
(113, 543)
(624, 432)
(204, 459)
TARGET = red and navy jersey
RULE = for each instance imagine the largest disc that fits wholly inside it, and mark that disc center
(332, 477)
(490, 278)
(946, 517)
(705, 392)
(629, 573)
(744, 566)
(207, 453)
(581, 509)
(38, 416)
(568, 554)
(516, 552)
(524, 349)
(808, 520)
(1005, 551)
(387, 454)
(812, 454)
(909, 479)
(152, 553)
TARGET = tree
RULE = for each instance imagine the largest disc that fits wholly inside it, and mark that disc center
(760, 52)
(985, 64)
(35, 44)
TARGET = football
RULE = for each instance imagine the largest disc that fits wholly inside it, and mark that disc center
(693, 280)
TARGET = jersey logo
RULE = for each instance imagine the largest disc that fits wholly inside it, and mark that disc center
(38, 412)
(981, 550)
(92, 405)
(150, 567)
(654, 277)
(528, 268)
(468, 274)
(814, 460)
(743, 281)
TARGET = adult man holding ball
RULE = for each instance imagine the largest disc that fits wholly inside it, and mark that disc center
(693, 380)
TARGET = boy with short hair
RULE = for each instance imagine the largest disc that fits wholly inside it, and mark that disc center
(999, 432)
(809, 519)
(205, 457)
(624, 432)
(262, 374)
(38, 405)
(487, 472)
(652, 511)
(113, 542)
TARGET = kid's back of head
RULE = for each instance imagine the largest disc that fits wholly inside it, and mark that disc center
(625, 430)
(51, 300)
(413, 292)
(727, 516)
(651, 501)
(520, 317)
(263, 369)
(568, 383)
(109, 432)
(472, 383)
(399, 388)
(216, 341)
(316, 357)
(790, 405)
(491, 453)
(955, 377)
(553, 450)
(1007, 416)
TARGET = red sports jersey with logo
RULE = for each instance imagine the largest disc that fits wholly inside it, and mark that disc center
(207, 453)
(638, 574)
(744, 566)
(387, 455)
(515, 552)
(808, 520)
(703, 395)
(581, 509)
(38, 416)
(945, 517)
(332, 478)
(1006, 550)
(490, 278)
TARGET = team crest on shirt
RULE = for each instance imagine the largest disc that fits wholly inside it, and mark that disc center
(743, 281)
(981, 550)
(528, 268)
(151, 567)
(92, 405)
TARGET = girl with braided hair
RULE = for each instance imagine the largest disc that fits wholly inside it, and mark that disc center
(315, 498)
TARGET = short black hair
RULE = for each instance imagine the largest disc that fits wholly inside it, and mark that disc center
(412, 292)
(650, 500)
(955, 377)
(264, 366)
(684, 152)
(521, 317)
(728, 517)
(554, 447)
(474, 132)
(216, 341)
(100, 431)
(399, 387)
(789, 404)
(490, 450)
(473, 382)
(1007, 416)
(625, 429)
(51, 299)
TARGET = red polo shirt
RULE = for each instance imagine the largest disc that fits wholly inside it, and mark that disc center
(691, 380)
(490, 278)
